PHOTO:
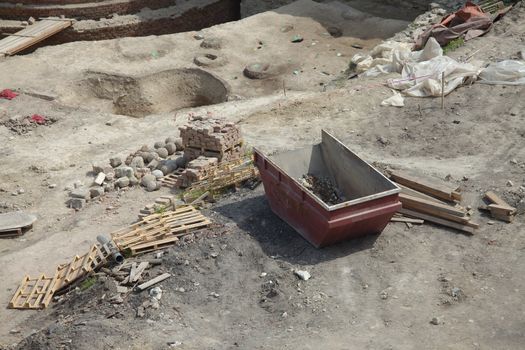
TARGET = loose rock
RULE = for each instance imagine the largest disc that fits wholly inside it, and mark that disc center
(157, 173)
(137, 162)
(304, 275)
(162, 152)
(80, 193)
(96, 191)
(122, 182)
(115, 162)
(76, 203)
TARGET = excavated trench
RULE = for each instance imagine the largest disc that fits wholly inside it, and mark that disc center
(160, 92)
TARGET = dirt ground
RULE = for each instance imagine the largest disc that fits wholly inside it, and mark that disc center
(378, 292)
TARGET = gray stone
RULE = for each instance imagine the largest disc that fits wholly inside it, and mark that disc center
(77, 184)
(157, 173)
(133, 181)
(150, 186)
(162, 152)
(122, 182)
(170, 139)
(147, 178)
(115, 162)
(98, 168)
(76, 203)
(137, 162)
(96, 191)
(124, 171)
(171, 148)
(153, 164)
(80, 193)
(211, 43)
(179, 144)
(159, 144)
(110, 176)
(434, 321)
(165, 170)
(144, 148)
(148, 156)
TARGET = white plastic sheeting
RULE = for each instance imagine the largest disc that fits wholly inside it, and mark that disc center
(421, 71)
(505, 72)
(423, 79)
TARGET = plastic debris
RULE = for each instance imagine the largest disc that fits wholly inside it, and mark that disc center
(8, 94)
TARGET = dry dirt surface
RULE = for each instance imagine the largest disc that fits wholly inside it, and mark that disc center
(240, 292)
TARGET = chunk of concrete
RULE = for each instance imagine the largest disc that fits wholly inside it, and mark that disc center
(124, 171)
(96, 191)
(76, 203)
(122, 182)
(99, 180)
(81, 193)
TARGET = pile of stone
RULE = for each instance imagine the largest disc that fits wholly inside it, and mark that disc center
(211, 138)
(145, 167)
(197, 170)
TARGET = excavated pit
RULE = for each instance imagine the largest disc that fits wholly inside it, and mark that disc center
(160, 92)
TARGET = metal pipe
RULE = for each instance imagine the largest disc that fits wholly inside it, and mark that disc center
(119, 258)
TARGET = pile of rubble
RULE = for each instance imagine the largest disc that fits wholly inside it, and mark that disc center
(323, 188)
(146, 167)
(211, 138)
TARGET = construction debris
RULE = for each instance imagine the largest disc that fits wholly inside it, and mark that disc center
(498, 208)
(323, 188)
(161, 204)
(152, 282)
(424, 200)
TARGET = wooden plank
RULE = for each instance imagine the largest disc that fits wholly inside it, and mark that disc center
(152, 282)
(414, 193)
(416, 203)
(407, 220)
(152, 246)
(501, 209)
(138, 272)
(439, 221)
(438, 191)
(495, 199)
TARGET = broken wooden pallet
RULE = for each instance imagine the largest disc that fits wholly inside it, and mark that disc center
(172, 180)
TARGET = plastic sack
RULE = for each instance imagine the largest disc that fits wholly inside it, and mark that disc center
(423, 79)
(505, 73)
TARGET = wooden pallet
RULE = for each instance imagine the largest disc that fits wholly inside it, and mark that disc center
(80, 266)
(37, 293)
(160, 227)
(33, 293)
(152, 246)
(172, 180)
(234, 177)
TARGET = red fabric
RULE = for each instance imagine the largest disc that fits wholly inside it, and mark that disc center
(468, 22)
(36, 118)
(8, 94)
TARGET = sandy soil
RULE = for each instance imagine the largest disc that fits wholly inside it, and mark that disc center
(380, 292)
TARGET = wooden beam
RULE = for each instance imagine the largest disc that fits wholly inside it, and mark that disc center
(152, 282)
(414, 193)
(416, 203)
(495, 199)
(438, 191)
(407, 220)
(438, 221)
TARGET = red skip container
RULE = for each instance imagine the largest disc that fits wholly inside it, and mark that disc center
(373, 198)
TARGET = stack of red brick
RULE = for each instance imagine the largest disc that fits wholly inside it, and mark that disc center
(211, 138)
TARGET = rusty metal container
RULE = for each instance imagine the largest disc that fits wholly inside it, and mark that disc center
(372, 198)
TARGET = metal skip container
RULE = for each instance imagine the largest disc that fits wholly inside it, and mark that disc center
(371, 198)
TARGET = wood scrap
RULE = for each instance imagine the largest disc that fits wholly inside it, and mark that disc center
(498, 208)
(138, 272)
(152, 282)
(407, 220)
(434, 190)
(433, 219)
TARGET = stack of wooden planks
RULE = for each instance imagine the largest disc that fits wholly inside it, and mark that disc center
(439, 204)
(498, 208)
(31, 35)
